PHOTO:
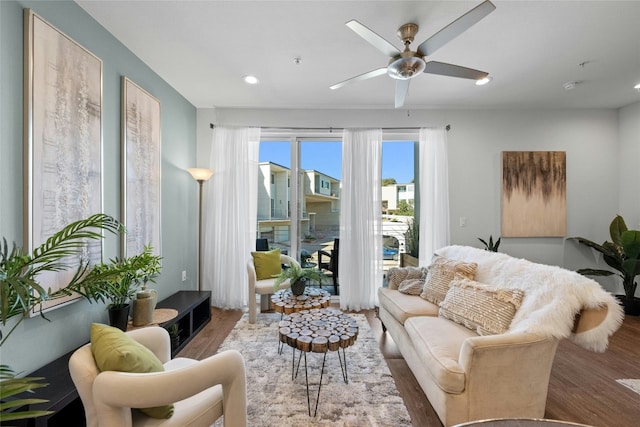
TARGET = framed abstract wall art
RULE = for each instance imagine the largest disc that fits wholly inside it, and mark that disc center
(534, 194)
(141, 160)
(62, 141)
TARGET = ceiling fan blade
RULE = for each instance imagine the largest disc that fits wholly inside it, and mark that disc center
(365, 76)
(374, 39)
(402, 88)
(455, 28)
(443, 69)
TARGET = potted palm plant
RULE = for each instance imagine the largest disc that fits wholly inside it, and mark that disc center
(622, 254)
(298, 277)
(20, 293)
(117, 282)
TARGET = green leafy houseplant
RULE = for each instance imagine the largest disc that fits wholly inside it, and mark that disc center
(20, 293)
(296, 274)
(622, 254)
(491, 246)
(117, 281)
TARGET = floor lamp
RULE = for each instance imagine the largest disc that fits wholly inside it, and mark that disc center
(200, 175)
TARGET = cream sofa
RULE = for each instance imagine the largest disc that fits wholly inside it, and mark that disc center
(469, 377)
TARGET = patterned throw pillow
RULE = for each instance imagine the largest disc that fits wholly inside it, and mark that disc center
(411, 286)
(440, 274)
(397, 275)
(484, 309)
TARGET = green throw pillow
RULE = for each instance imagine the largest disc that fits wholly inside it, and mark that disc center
(267, 264)
(113, 350)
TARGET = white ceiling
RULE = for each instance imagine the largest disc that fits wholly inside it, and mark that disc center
(530, 48)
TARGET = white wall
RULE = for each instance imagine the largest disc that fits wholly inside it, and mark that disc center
(629, 120)
(476, 139)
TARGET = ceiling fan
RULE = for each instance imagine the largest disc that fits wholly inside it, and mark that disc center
(407, 64)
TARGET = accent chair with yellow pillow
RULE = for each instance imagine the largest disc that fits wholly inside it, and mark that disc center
(262, 269)
(119, 371)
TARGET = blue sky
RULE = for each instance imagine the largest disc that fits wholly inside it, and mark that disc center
(326, 157)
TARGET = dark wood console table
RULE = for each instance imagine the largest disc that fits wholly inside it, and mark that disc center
(194, 312)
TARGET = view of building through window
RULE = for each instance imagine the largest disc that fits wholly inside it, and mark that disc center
(319, 188)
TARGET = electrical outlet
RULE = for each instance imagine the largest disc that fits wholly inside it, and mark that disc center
(184, 275)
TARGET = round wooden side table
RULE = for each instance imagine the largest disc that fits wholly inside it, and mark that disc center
(318, 331)
(284, 301)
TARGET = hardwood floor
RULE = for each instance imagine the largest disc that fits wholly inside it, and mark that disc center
(582, 387)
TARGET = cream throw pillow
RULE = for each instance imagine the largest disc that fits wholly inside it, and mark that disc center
(411, 286)
(484, 309)
(440, 274)
(397, 275)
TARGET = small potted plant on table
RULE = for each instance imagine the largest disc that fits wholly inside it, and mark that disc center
(117, 283)
(298, 277)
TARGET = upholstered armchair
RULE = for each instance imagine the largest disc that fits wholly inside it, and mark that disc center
(200, 391)
(264, 287)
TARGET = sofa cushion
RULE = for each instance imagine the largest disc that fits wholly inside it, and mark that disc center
(440, 274)
(396, 275)
(438, 342)
(402, 306)
(479, 307)
(267, 264)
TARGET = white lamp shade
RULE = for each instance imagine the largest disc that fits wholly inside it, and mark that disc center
(200, 174)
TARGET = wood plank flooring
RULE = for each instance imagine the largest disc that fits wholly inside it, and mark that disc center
(582, 388)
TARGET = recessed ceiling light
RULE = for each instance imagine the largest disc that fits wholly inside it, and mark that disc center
(252, 80)
(484, 81)
(637, 86)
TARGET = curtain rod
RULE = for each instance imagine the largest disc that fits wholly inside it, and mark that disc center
(331, 129)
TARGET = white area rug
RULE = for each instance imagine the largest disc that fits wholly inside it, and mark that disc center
(632, 384)
(370, 399)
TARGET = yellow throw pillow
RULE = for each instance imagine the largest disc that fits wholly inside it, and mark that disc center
(113, 350)
(267, 263)
(484, 309)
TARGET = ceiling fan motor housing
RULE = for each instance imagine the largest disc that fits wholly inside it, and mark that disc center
(406, 66)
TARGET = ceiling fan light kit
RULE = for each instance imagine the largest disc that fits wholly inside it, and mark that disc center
(407, 64)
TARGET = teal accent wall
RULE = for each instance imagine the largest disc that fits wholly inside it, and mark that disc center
(37, 341)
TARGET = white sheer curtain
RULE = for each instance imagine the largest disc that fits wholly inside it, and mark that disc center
(230, 214)
(434, 192)
(360, 259)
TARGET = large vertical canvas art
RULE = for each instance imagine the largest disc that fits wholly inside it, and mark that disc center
(63, 141)
(141, 168)
(534, 193)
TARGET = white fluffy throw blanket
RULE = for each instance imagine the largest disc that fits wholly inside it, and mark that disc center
(553, 295)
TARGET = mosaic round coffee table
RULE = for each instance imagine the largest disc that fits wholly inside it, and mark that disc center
(318, 331)
(284, 301)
